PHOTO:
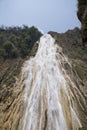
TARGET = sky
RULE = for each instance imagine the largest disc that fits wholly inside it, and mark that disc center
(47, 15)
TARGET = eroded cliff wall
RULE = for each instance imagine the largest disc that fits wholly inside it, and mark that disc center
(82, 15)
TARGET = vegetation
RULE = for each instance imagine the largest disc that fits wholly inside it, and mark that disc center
(82, 16)
(17, 41)
(82, 2)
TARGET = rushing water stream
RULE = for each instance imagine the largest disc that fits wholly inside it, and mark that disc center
(47, 101)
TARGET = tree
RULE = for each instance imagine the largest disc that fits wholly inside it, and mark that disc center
(17, 41)
(3, 53)
(10, 50)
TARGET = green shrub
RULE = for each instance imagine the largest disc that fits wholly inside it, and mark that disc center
(8, 46)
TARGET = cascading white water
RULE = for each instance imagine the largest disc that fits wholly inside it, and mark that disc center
(45, 85)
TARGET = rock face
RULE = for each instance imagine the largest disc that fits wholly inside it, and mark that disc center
(11, 92)
(82, 15)
(71, 44)
(11, 87)
(11, 105)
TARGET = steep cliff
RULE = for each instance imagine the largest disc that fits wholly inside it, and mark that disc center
(82, 15)
(12, 87)
(71, 43)
(11, 91)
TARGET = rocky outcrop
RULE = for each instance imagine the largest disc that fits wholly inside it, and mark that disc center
(71, 44)
(11, 81)
(11, 92)
(11, 103)
(82, 15)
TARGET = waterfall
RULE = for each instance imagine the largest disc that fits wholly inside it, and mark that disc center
(47, 95)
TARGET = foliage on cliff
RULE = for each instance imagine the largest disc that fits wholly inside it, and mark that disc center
(82, 2)
(82, 15)
(17, 41)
